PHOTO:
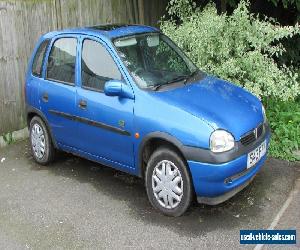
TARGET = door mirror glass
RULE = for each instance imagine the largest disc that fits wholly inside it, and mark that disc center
(118, 88)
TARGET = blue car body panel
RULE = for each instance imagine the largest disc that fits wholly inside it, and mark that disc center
(209, 179)
(217, 102)
(129, 30)
(109, 111)
(185, 115)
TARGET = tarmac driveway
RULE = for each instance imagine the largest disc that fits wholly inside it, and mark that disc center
(76, 203)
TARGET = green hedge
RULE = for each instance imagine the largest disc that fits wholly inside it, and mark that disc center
(284, 119)
(242, 48)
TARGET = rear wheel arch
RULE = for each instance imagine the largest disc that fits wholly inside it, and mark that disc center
(40, 141)
(30, 115)
(31, 112)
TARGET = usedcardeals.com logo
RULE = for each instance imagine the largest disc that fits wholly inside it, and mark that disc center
(268, 237)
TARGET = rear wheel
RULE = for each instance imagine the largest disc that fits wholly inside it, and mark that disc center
(40, 141)
(168, 182)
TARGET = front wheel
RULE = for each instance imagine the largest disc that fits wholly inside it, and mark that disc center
(168, 182)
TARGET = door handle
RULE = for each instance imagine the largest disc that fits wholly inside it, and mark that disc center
(82, 104)
(45, 97)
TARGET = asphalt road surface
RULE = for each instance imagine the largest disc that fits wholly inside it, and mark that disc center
(75, 204)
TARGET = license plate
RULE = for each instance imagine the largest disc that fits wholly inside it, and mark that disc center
(255, 155)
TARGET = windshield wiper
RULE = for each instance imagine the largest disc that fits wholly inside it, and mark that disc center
(176, 79)
(156, 87)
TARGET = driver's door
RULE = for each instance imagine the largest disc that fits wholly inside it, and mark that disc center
(105, 122)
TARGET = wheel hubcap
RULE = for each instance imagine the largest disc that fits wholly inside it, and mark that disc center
(167, 184)
(38, 141)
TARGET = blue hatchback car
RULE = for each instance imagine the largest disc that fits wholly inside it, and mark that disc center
(127, 97)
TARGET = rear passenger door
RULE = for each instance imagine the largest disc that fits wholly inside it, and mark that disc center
(36, 75)
(106, 122)
(57, 91)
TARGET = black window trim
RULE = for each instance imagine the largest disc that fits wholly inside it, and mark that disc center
(103, 44)
(43, 60)
(46, 73)
(92, 89)
(62, 82)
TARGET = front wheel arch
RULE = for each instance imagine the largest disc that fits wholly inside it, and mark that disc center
(161, 154)
(153, 141)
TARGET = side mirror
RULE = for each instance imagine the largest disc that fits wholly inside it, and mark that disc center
(118, 88)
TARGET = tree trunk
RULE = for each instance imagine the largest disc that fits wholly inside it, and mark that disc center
(223, 6)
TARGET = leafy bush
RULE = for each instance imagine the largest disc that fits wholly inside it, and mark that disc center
(291, 57)
(284, 119)
(240, 48)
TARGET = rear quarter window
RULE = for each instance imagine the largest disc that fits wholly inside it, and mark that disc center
(37, 64)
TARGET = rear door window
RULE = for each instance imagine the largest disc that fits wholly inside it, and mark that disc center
(62, 61)
(39, 58)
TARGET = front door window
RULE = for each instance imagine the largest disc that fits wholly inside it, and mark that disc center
(97, 66)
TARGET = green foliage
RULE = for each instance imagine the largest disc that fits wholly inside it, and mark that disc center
(182, 8)
(240, 48)
(8, 138)
(287, 3)
(291, 57)
(284, 119)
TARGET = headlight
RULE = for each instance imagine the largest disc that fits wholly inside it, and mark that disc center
(221, 141)
(264, 113)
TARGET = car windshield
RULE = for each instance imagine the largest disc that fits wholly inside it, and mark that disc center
(154, 60)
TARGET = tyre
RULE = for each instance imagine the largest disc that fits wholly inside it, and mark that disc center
(168, 182)
(40, 142)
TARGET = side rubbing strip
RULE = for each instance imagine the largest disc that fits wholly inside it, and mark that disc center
(90, 122)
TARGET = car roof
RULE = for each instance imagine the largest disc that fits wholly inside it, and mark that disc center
(109, 31)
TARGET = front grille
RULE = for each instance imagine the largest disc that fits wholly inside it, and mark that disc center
(260, 129)
(253, 135)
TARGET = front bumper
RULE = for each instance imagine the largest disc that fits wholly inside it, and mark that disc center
(217, 182)
(224, 197)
